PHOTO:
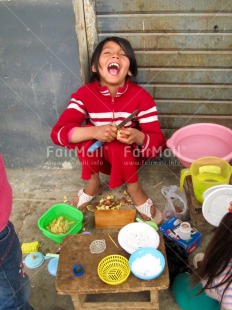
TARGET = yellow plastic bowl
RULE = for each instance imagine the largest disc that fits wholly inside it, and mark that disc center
(114, 269)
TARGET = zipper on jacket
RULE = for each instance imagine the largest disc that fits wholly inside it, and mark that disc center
(112, 102)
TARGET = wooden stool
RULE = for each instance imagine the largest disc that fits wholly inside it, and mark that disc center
(75, 250)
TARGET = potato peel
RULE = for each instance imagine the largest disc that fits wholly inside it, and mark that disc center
(110, 203)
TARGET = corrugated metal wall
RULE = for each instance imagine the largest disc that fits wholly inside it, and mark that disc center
(183, 49)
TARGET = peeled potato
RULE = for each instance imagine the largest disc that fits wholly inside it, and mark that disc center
(121, 135)
(59, 225)
(118, 133)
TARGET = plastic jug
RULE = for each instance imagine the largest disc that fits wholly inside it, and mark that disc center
(206, 172)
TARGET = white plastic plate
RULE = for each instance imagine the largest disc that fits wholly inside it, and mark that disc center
(216, 205)
(213, 188)
(138, 235)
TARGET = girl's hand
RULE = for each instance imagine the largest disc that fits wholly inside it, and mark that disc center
(105, 133)
(130, 136)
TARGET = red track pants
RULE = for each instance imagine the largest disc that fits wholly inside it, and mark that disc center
(116, 159)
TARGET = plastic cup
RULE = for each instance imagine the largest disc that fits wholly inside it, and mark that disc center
(184, 231)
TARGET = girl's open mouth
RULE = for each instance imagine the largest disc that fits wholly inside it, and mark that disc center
(113, 68)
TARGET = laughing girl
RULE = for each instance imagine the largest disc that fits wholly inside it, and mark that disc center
(94, 112)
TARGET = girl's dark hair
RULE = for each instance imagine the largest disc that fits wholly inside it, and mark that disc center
(127, 48)
(217, 256)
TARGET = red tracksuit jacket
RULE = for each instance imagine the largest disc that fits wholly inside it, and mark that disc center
(94, 105)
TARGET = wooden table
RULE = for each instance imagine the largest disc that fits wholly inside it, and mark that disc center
(75, 250)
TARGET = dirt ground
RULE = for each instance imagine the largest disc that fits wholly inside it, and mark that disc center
(35, 191)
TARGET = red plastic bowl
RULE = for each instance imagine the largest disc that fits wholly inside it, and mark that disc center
(200, 140)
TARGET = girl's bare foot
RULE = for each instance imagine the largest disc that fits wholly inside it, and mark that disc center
(88, 193)
(152, 212)
(146, 211)
(82, 200)
(143, 204)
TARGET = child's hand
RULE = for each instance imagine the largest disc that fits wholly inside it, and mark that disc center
(130, 136)
(106, 133)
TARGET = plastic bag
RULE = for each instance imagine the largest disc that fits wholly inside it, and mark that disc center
(176, 204)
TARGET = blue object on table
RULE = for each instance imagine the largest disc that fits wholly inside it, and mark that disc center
(78, 270)
(141, 254)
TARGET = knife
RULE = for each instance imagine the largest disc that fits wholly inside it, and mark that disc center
(97, 144)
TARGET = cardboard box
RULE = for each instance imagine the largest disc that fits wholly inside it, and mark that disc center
(170, 230)
(113, 219)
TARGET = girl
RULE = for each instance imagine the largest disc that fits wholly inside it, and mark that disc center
(14, 283)
(109, 98)
(214, 275)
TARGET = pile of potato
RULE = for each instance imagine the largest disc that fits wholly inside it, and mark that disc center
(60, 225)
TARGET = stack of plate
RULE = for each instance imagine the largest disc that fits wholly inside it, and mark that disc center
(217, 200)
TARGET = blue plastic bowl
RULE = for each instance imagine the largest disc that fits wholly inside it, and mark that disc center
(53, 265)
(141, 263)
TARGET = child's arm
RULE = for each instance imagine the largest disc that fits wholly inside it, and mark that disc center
(105, 133)
(147, 135)
(154, 141)
(68, 131)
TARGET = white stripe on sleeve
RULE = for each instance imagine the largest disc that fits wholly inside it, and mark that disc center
(148, 119)
(145, 146)
(58, 136)
(151, 110)
(76, 107)
(76, 101)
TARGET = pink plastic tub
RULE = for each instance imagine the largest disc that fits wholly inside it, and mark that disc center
(200, 140)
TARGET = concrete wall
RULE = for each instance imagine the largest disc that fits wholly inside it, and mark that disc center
(183, 50)
(40, 68)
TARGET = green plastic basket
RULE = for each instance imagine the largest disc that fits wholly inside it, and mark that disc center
(71, 213)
